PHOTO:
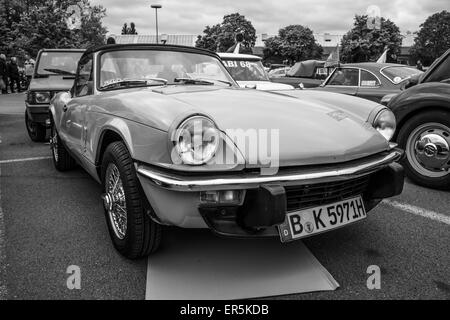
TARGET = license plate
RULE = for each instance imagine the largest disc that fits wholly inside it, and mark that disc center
(316, 220)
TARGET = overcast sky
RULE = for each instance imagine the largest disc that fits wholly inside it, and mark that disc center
(267, 16)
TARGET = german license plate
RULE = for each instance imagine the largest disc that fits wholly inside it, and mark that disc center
(316, 220)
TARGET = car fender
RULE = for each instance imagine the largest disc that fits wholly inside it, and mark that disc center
(420, 98)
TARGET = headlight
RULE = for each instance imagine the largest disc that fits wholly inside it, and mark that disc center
(42, 97)
(196, 140)
(385, 123)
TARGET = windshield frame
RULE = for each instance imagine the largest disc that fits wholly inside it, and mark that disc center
(267, 78)
(38, 62)
(158, 48)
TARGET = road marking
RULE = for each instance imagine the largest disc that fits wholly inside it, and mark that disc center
(418, 211)
(3, 290)
(24, 160)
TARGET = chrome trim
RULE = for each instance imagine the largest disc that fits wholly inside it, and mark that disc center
(250, 181)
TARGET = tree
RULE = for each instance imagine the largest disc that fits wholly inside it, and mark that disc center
(295, 43)
(363, 43)
(129, 30)
(44, 24)
(221, 37)
(433, 38)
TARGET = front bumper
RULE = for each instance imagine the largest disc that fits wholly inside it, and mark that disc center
(175, 197)
(38, 113)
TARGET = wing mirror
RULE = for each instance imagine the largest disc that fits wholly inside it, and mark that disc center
(65, 97)
(412, 81)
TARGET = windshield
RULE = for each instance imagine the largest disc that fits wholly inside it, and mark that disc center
(399, 74)
(166, 67)
(58, 63)
(246, 70)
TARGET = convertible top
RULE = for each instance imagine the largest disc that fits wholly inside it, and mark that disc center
(305, 69)
(154, 46)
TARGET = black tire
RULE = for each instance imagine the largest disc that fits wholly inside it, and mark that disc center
(62, 160)
(36, 131)
(407, 132)
(143, 235)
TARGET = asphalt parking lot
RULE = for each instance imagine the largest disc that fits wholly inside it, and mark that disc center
(51, 220)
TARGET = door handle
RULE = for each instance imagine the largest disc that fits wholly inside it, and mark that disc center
(65, 108)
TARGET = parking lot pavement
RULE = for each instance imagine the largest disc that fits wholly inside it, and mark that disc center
(53, 220)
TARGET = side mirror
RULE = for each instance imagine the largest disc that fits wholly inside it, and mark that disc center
(412, 81)
(65, 97)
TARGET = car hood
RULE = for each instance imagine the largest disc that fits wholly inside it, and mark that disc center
(51, 83)
(265, 85)
(309, 131)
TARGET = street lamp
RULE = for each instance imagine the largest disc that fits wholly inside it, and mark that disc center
(156, 7)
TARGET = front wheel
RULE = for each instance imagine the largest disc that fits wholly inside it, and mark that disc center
(133, 232)
(35, 130)
(426, 141)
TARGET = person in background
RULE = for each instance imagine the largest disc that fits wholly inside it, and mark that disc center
(14, 76)
(29, 68)
(3, 74)
(419, 65)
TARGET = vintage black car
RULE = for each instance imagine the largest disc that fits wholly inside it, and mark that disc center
(369, 80)
(423, 125)
(305, 74)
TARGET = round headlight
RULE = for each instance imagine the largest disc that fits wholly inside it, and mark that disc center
(42, 97)
(385, 123)
(196, 140)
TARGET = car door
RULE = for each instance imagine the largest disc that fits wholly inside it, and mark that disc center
(73, 117)
(343, 80)
(371, 87)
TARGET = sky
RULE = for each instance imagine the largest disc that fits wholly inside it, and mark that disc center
(267, 16)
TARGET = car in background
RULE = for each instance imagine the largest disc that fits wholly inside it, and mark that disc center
(279, 72)
(164, 129)
(368, 80)
(248, 71)
(306, 74)
(54, 72)
(423, 129)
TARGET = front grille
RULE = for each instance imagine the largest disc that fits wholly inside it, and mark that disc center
(305, 196)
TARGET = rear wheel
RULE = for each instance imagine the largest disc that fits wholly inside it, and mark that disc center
(36, 131)
(62, 160)
(426, 141)
(132, 231)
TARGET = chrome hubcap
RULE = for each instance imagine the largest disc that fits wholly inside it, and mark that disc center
(428, 150)
(114, 201)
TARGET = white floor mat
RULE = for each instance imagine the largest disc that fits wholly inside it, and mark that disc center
(197, 265)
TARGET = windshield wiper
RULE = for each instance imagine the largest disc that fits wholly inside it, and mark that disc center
(59, 71)
(135, 83)
(193, 81)
(217, 80)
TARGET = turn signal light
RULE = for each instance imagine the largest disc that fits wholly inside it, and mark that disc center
(221, 197)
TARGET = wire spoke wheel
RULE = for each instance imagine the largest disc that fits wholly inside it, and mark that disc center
(115, 201)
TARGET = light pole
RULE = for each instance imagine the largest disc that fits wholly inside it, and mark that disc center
(156, 7)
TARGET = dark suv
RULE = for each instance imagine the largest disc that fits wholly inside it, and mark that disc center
(423, 125)
(54, 72)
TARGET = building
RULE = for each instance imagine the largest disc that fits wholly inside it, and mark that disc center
(328, 41)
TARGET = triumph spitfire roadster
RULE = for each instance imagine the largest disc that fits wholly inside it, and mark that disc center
(175, 141)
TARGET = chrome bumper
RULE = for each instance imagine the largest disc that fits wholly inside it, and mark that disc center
(286, 177)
